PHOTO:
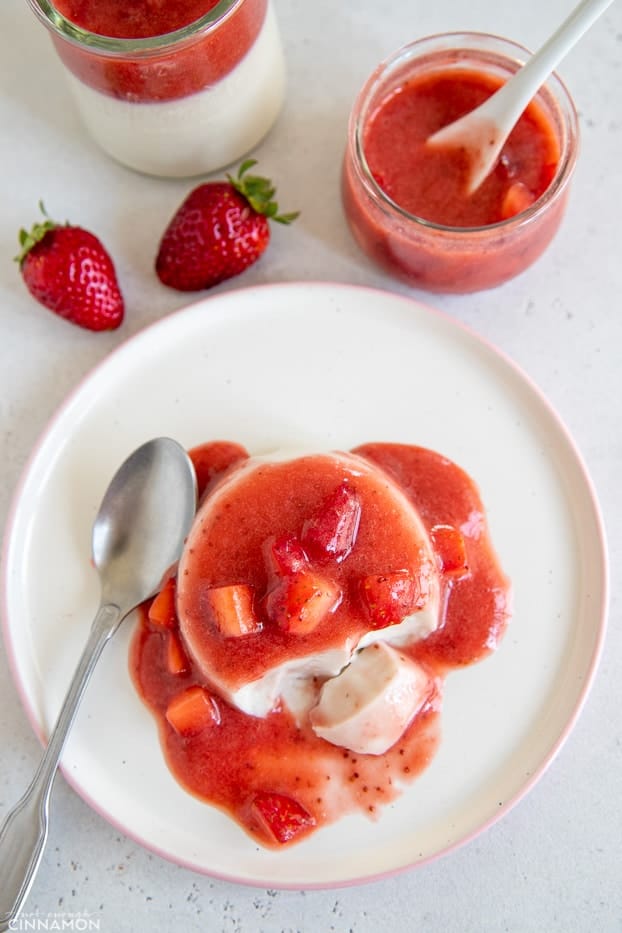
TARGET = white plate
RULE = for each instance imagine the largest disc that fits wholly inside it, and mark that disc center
(324, 366)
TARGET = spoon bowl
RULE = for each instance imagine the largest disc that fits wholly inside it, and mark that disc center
(481, 134)
(142, 522)
(138, 535)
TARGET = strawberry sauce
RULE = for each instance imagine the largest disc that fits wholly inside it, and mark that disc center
(135, 20)
(272, 774)
(278, 499)
(431, 182)
(180, 68)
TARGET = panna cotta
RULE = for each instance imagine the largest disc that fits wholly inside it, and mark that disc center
(297, 589)
(295, 662)
(172, 89)
(368, 706)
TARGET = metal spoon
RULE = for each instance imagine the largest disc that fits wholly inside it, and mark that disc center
(482, 133)
(138, 536)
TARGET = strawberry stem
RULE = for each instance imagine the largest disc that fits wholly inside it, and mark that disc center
(259, 192)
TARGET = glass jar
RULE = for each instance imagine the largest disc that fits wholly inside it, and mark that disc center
(430, 255)
(182, 103)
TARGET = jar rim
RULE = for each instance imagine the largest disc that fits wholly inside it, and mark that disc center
(554, 86)
(63, 28)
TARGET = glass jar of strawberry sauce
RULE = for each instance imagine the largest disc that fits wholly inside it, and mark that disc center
(175, 89)
(410, 213)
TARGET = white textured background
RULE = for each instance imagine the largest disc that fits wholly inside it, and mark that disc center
(555, 862)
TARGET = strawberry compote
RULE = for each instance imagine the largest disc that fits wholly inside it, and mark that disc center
(295, 665)
(407, 201)
(171, 88)
(430, 182)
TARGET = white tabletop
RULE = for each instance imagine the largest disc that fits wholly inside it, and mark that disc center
(553, 862)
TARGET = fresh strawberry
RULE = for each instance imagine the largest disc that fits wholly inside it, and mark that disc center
(231, 609)
(332, 531)
(450, 550)
(301, 601)
(219, 230)
(68, 270)
(162, 609)
(192, 711)
(390, 597)
(281, 817)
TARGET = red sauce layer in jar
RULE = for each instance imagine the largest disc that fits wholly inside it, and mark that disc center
(430, 182)
(247, 765)
(181, 69)
(139, 19)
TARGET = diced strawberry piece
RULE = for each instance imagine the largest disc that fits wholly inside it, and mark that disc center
(281, 817)
(213, 458)
(300, 602)
(450, 549)
(285, 555)
(231, 609)
(390, 597)
(517, 198)
(332, 531)
(162, 609)
(176, 658)
(192, 711)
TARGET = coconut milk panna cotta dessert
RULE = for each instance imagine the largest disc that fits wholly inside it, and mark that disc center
(176, 88)
(295, 662)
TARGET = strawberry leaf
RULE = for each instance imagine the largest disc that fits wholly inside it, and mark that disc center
(29, 238)
(244, 167)
(259, 192)
(286, 218)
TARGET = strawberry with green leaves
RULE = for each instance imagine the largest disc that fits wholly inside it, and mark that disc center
(68, 270)
(220, 230)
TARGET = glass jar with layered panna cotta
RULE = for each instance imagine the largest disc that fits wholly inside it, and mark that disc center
(176, 89)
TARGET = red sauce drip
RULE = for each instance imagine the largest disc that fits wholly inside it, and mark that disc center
(229, 763)
(476, 610)
(430, 182)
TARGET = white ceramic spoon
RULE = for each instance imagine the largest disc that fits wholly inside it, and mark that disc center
(482, 132)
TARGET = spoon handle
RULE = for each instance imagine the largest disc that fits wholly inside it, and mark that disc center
(481, 133)
(506, 106)
(24, 832)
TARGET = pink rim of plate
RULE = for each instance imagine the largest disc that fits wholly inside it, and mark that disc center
(553, 751)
